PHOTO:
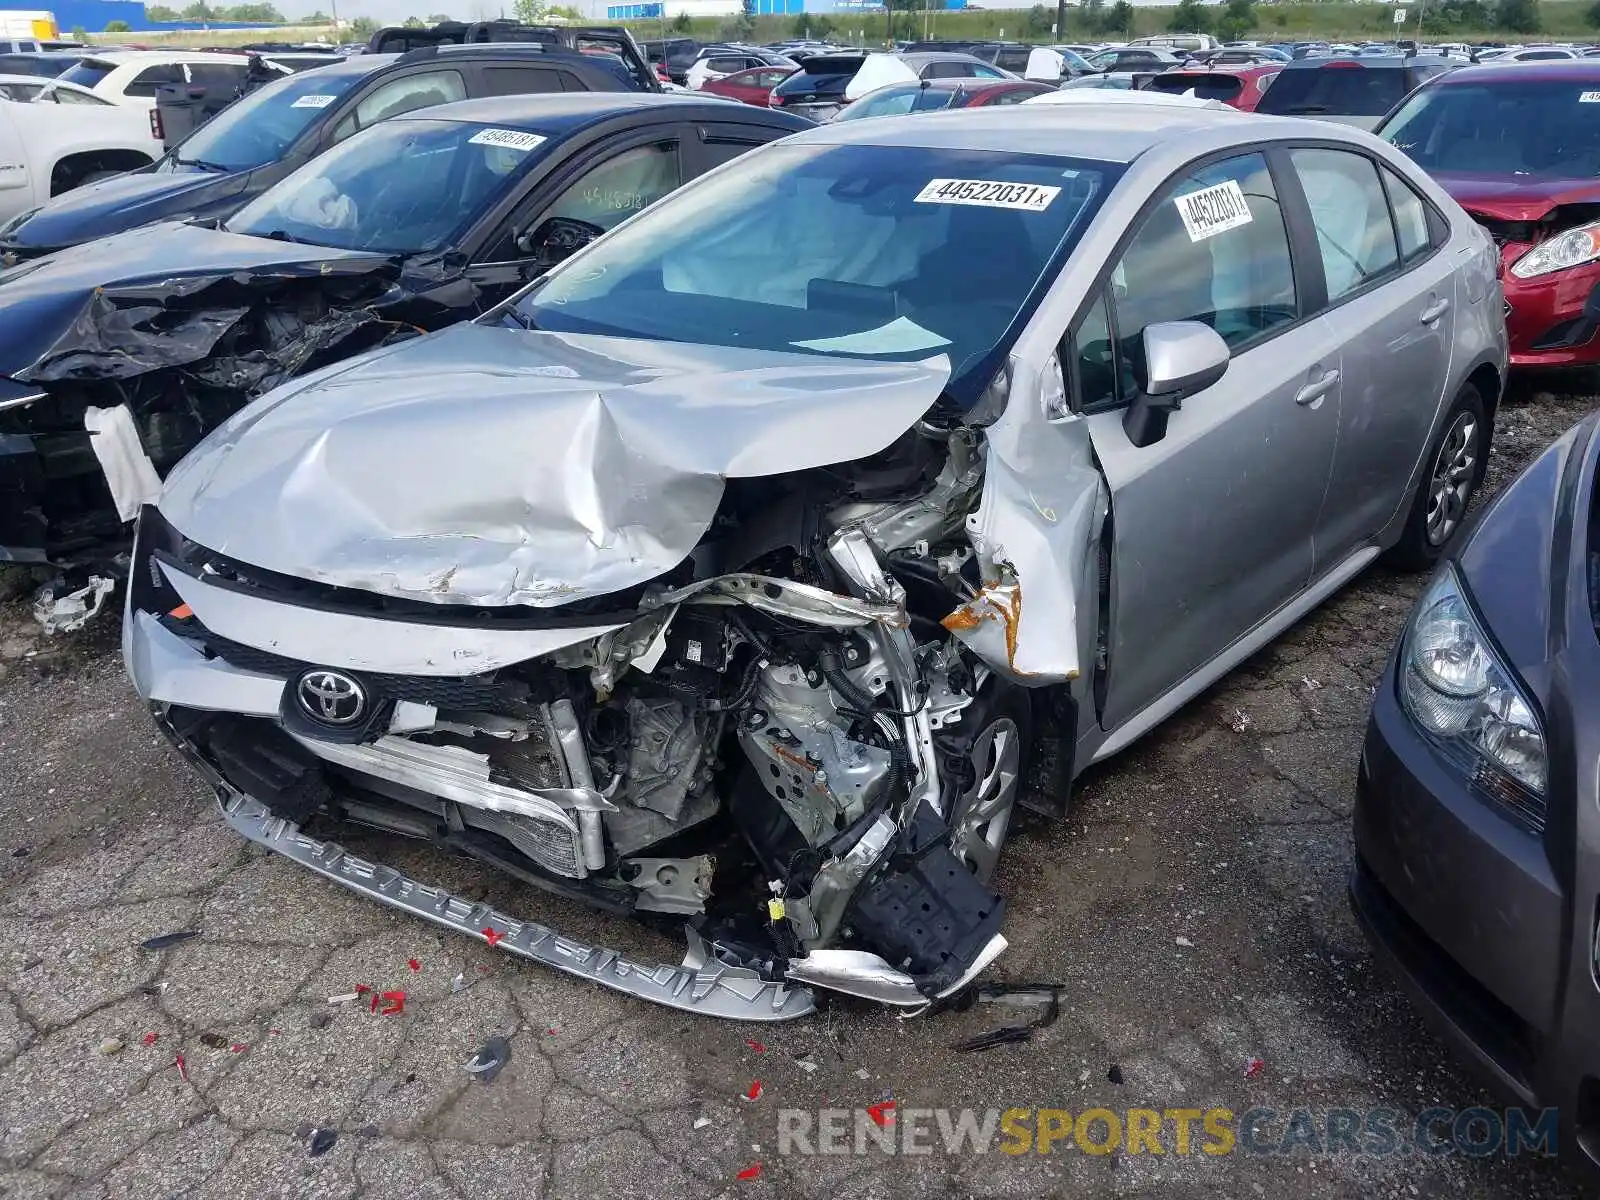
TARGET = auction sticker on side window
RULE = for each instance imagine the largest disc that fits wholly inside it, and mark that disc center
(318, 101)
(1213, 210)
(1029, 197)
(509, 139)
(1589, 97)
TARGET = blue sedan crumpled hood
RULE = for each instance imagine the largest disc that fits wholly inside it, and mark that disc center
(126, 202)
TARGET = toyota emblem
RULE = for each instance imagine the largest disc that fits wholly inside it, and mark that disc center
(331, 697)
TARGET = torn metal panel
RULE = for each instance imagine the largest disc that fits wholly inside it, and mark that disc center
(129, 472)
(786, 598)
(64, 613)
(559, 466)
(1036, 533)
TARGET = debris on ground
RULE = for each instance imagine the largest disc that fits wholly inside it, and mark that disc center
(413, 964)
(162, 941)
(215, 1040)
(344, 999)
(1184, 942)
(882, 1113)
(1254, 1067)
(237, 1048)
(322, 1141)
(758, 1047)
(1310, 684)
(459, 983)
(492, 935)
(488, 1061)
(393, 1002)
(60, 611)
(862, 1073)
(110, 1045)
(701, 1122)
(183, 1068)
(1114, 1075)
(753, 1171)
(1045, 996)
(21, 852)
(1241, 720)
(321, 1019)
(805, 1064)
(753, 1092)
(149, 1039)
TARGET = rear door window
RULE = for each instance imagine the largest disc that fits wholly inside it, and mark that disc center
(218, 76)
(518, 81)
(398, 96)
(1410, 217)
(1340, 88)
(1355, 235)
(148, 80)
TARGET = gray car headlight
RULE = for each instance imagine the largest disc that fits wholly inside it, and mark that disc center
(1571, 248)
(1456, 689)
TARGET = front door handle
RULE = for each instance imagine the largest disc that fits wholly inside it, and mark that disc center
(1312, 392)
(1434, 311)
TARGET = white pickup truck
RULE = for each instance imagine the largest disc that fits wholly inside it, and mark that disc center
(47, 149)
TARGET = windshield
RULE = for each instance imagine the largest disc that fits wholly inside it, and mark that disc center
(1339, 89)
(898, 100)
(87, 73)
(888, 252)
(400, 187)
(261, 127)
(1541, 129)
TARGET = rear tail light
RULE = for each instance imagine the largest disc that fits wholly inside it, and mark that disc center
(774, 100)
(157, 131)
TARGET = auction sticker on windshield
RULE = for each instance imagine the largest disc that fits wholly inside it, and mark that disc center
(507, 139)
(1213, 210)
(1589, 98)
(317, 101)
(1029, 197)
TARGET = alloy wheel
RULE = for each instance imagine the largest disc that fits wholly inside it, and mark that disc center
(984, 810)
(1454, 472)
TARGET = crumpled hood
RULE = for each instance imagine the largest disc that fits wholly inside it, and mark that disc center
(1510, 198)
(126, 202)
(489, 465)
(66, 301)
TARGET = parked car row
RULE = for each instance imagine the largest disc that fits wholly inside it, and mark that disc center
(704, 514)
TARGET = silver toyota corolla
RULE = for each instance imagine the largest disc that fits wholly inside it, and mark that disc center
(738, 568)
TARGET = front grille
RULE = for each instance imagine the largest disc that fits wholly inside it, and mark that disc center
(550, 845)
(1508, 231)
(461, 693)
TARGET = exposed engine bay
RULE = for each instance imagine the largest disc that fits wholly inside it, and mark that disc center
(795, 741)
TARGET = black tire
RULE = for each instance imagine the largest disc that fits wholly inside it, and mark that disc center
(1455, 466)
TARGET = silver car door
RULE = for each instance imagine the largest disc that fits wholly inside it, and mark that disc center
(1391, 293)
(1212, 524)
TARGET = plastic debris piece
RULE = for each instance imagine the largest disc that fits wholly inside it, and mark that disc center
(753, 1092)
(372, 1005)
(863, 1073)
(882, 1113)
(344, 999)
(1184, 942)
(701, 1122)
(393, 1002)
(1114, 1075)
(183, 1068)
(363, 988)
(110, 1045)
(1047, 996)
(322, 1141)
(492, 935)
(215, 1040)
(489, 1060)
(149, 1039)
(21, 852)
(162, 941)
(238, 1048)
(551, 1031)
(1310, 684)
(758, 1047)
(753, 1171)
(805, 1064)
(1005, 1036)
(1241, 720)
(1254, 1067)
(413, 964)
(73, 610)
(274, 1032)
(459, 983)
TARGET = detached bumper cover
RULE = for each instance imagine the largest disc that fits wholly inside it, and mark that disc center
(712, 990)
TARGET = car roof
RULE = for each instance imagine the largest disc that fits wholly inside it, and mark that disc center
(1117, 133)
(924, 57)
(1372, 61)
(560, 113)
(129, 57)
(1576, 70)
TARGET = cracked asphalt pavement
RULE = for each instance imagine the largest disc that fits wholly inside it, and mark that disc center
(1192, 906)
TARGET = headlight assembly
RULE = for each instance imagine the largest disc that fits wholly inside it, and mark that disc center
(1570, 248)
(1459, 693)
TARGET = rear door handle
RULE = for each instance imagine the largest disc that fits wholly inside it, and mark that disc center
(1434, 311)
(1312, 392)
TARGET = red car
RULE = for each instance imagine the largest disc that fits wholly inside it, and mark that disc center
(1238, 87)
(1518, 146)
(751, 86)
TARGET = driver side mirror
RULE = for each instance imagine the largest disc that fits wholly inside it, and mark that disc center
(555, 239)
(1181, 358)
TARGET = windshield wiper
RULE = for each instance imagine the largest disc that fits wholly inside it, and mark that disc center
(278, 235)
(202, 164)
(521, 318)
(1300, 108)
